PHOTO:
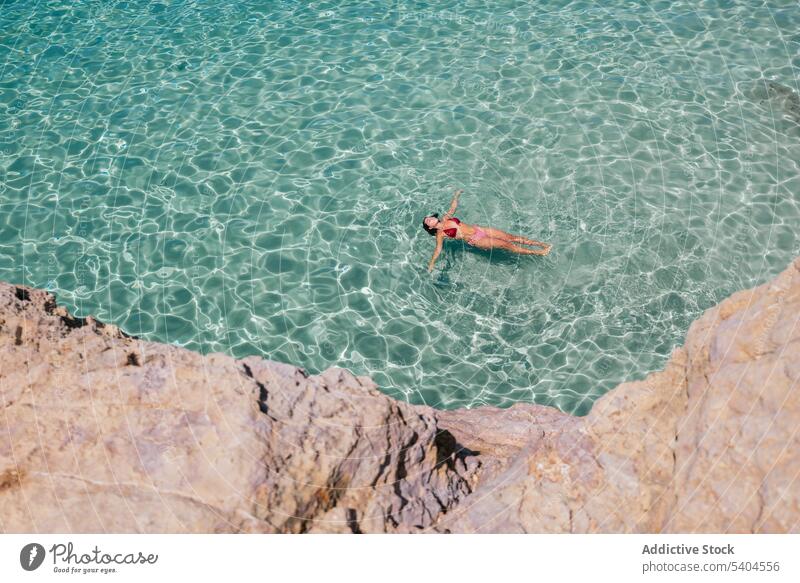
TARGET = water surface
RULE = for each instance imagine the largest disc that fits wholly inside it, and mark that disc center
(250, 178)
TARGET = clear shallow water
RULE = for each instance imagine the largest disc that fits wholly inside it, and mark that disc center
(251, 177)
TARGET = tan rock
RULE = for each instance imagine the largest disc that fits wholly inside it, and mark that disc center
(105, 432)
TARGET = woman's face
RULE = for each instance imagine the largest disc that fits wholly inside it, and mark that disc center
(431, 222)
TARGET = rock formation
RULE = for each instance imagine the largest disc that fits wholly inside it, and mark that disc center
(102, 432)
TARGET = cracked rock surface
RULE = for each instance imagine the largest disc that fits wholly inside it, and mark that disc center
(102, 432)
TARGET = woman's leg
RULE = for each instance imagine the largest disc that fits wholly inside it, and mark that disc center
(526, 241)
(498, 234)
(495, 243)
(509, 246)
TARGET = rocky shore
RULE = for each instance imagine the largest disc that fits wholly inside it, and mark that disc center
(102, 432)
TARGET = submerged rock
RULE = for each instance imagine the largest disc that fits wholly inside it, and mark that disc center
(781, 99)
(103, 432)
(787, 97)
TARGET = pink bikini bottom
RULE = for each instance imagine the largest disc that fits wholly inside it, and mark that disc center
(478, 234)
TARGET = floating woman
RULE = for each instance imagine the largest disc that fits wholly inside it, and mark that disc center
(480, 237)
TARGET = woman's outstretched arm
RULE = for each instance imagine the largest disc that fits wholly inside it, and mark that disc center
(453, 204)
(439, 243)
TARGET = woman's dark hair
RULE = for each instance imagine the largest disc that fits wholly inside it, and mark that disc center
(431, 231)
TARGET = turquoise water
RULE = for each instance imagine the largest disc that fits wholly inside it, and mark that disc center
(250, 178)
